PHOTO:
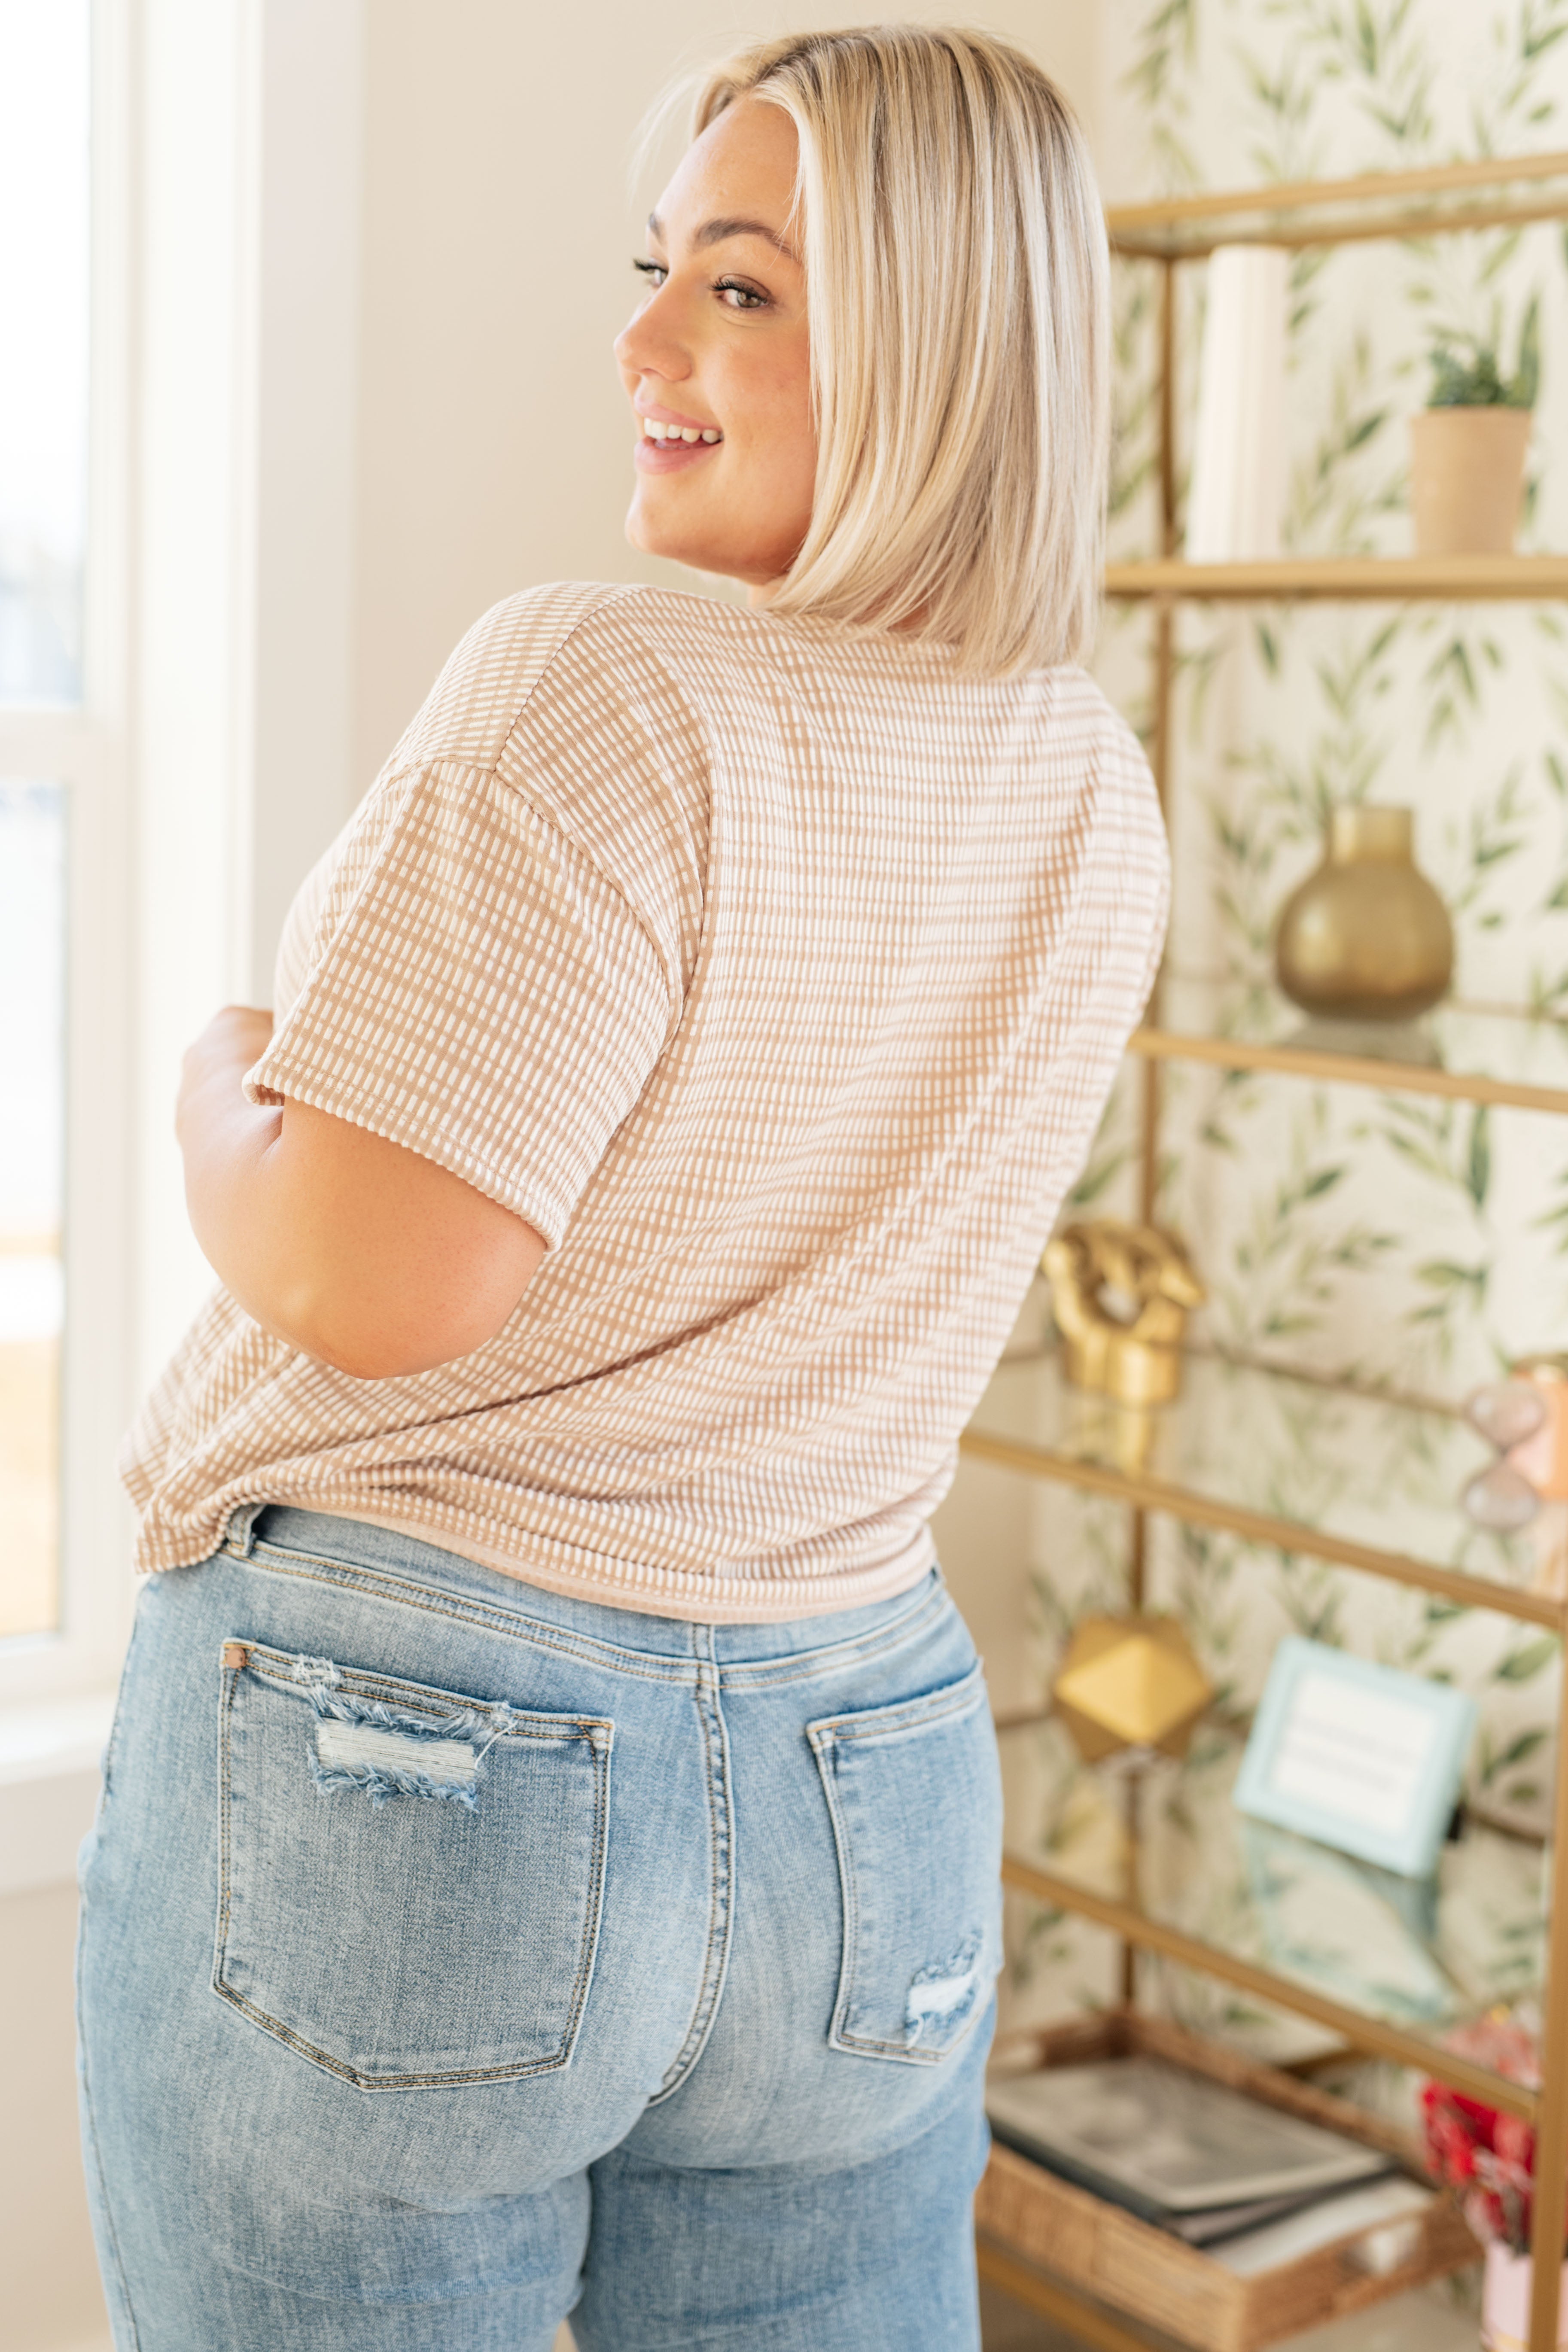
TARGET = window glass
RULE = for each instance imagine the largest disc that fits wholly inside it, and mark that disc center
(32, 1288)
(44, 296)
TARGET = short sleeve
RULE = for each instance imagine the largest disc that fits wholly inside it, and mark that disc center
(479, 991)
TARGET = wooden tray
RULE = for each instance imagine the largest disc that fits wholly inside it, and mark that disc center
(1176, 2289)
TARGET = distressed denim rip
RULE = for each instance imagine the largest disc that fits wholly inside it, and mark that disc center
(457, 1956)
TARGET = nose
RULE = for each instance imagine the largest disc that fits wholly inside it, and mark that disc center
(647, 344)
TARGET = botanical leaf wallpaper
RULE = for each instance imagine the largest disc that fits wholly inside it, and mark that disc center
(1406, 1244)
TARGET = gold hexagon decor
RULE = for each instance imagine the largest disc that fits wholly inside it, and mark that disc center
(1131, 1682)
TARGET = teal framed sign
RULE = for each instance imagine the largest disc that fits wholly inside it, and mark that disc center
(1357, 1756)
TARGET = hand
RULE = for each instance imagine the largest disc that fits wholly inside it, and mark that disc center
(232, 1040)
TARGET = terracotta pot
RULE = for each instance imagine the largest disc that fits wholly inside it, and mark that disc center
(1366, 938)
(1505, 2302)
(1466, 479)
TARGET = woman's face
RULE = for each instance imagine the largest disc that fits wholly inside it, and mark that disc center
(716, 361)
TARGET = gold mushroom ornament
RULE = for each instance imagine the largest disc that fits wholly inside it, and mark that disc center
(1121, 1294)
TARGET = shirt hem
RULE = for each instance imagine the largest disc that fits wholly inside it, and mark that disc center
(816, 1596)
(650, 1592)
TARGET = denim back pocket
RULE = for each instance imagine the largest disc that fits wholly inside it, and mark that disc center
(410, 1880)
(915, 1794)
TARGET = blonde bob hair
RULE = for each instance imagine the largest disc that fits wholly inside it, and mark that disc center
(956, 274)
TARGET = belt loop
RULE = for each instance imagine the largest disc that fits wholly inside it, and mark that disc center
(237, 1536)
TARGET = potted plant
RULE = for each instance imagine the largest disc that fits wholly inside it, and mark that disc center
(1467, 450)
(1488, 2158)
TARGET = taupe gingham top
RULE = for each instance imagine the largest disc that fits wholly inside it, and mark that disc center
(776, 974)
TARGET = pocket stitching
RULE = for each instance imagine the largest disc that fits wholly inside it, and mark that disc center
(822, 1743)
(584, 1728)
(875, 1723)
(428, 1698)
(961, 1699)
(402, 1592)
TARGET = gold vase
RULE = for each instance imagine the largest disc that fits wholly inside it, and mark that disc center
(1367, 937)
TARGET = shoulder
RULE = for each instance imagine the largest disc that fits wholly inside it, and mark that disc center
(487, 679)
(1103, 748)
(1088, 717)
(582, 709)
(1122, 878)
(574, 644)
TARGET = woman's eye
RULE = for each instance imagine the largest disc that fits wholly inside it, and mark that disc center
(746, 298)
(654, 271)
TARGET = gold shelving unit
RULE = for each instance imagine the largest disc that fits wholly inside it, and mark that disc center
(1340, 580)
(1362, 1480)
(1498, 192)
(1395, 1524)
(1475, 1054)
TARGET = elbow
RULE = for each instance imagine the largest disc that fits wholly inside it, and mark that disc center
(360, 1359)
(392, 1309)
(367, 1344)
(370, 1354)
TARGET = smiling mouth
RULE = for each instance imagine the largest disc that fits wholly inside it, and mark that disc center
(654, 431)
(664, 446)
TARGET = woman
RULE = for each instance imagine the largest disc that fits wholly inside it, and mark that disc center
(552, 1695)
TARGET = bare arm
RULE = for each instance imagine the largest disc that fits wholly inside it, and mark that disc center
(347, 1247)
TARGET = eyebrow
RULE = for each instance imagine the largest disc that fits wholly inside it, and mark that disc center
(714, 231)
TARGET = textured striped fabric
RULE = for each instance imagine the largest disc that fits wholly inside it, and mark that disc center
(776, 974)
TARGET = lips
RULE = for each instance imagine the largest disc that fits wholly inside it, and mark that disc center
(672, 456)
(668, 443)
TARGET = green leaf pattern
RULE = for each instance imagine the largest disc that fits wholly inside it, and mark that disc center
(1401, 1241)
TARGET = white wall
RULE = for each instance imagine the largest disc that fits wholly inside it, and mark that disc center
(304, 289)
(494, 450)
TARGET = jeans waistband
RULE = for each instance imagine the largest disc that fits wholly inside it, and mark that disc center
(287, 1531)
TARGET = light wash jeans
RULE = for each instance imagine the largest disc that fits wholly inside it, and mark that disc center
(455, 1956)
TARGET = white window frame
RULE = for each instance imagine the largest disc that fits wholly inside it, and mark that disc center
(209, 764)
(86, 751)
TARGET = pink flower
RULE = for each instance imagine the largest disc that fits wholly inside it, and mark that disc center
(1487, 2156)
(1514, 2142)
(1484, 2215)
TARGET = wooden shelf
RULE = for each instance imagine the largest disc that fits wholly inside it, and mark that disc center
(1465, 1053)
(1378, 580)
(1489, 194)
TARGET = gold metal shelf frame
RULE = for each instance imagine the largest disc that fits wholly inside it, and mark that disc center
(1340, 580)
(1443, 200)
(1026, 1422)
(1375, 2036)
(1390, 1077)
(1498, 191)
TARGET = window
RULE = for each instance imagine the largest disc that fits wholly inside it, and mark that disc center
(45, 301)
(175, 697)
(32, 1288)
(64, 870)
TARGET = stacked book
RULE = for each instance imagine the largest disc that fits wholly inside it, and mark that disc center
(1248, 2182)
